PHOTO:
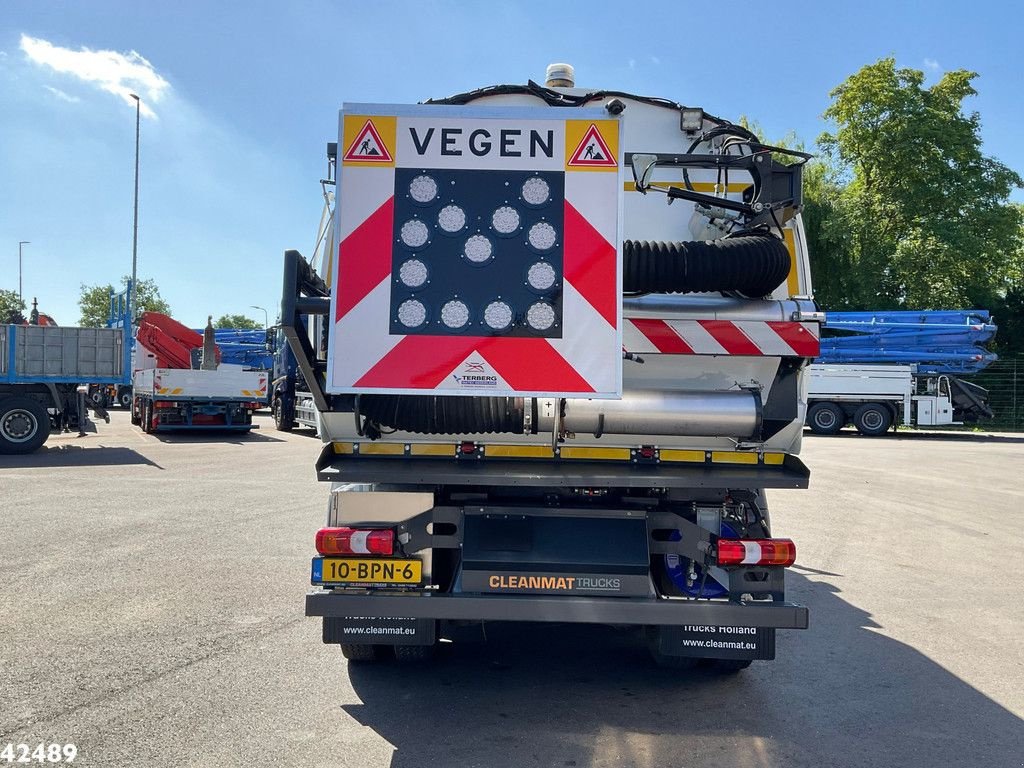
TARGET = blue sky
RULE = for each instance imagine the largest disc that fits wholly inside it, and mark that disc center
(243, 97)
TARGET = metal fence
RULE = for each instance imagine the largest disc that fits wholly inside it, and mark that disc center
(1004, 380)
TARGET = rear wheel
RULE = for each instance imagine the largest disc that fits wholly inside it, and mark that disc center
(124, 398)
(727, 666)
(825, 418)
(24, 425)
(412, 654)
(873, 419)
(136, 407)
(147, 417)
(361, 652)
(284, 418)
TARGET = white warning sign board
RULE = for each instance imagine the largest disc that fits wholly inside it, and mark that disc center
(477, 252)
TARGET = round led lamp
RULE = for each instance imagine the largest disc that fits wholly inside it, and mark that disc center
(498, 316)
(423, 189)
(505, 220)
(412, 313)
(455, 315)
(413, 274)
(415, 234)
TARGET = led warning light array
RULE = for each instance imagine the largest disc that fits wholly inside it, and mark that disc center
(478, 252)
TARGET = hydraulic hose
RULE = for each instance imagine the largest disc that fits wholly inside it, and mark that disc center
(751, 266)
(427, 414)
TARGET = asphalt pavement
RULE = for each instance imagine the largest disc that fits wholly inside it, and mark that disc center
(151, 613)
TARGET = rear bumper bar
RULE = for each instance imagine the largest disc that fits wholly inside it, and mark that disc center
(578, 473)
(576, 610)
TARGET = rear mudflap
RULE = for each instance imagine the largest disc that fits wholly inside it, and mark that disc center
(379, 630)
(713, 642)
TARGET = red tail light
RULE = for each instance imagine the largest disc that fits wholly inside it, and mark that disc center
(164, 404)
(756, 552)
(355, 541)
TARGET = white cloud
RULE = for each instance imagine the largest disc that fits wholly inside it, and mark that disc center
(61, 95)
(931, 64)
(118, 73)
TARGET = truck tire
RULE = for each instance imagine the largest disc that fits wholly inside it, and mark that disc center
(124, 397)
(873, 419)
(284, 416)
(414, 654)
(24, 425)
(147, 416)
(825, 418)
(136, 406)
(665, 661)
(361, 653)
(729, 666)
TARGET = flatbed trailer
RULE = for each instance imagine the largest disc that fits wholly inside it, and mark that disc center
(166, 399)
(45, 372)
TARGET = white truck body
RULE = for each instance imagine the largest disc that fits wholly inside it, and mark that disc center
(225, 383)
(548, 505)
(851, 386)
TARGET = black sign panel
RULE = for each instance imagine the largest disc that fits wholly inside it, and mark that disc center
(478, 253)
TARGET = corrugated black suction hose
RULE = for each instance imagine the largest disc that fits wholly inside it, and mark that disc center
(444, 415)
(751, 266)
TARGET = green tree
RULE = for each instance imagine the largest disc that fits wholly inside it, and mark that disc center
(94, 301)
(12, 308)
(927, 216)
(237, 321)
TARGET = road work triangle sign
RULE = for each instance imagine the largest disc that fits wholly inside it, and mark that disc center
(368, 146)
(592, 151)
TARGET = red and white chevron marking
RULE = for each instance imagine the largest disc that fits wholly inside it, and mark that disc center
(721, 337)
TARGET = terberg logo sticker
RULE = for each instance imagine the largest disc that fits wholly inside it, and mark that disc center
(368, 147)
(592, 151)
(476, 373)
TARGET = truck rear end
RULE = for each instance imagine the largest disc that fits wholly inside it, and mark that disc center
(587, 436)
(166, 399)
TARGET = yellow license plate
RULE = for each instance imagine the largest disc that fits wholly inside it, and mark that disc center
(351, 570)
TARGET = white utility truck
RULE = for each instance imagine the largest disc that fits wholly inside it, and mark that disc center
(875, 398)
(545, 394)
(192, 399)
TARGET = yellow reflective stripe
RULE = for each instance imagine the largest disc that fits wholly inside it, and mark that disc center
(518, 451)
(774, 458)
(344, 448)
(675, 454)
(382, 449)
(594, 453)
(431, 449)
(793, 278)
(698, 186)
(162, 391)
(733, 457)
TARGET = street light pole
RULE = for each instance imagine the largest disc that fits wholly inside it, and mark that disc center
(135, 222)
(266, 317)
(20, 244)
